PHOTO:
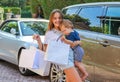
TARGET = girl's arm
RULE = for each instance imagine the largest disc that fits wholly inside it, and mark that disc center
(71, 43)
(78, 42)
(45, 47)
(40, 45)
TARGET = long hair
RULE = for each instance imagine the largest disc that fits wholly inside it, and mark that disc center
(51, 25)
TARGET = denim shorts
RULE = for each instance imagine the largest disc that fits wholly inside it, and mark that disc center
(78, 53)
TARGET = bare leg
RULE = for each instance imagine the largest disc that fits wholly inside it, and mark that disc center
(82, 70)
(72, 75)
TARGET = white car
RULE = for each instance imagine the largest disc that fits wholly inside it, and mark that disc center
(16, 34)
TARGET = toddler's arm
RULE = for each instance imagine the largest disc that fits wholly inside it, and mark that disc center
(71, 43)
(77, 43)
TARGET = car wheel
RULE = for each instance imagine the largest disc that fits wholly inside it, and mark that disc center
(1, 60)
(25, 71)
(57, 74)
(22, 70)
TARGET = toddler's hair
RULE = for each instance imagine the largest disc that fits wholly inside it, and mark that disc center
(67, 23)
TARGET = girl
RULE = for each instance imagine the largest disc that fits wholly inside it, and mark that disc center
(52, 34)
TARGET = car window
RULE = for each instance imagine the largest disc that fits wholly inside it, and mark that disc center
(112, 21)
(70, 13)
(89, 20)
(113, 12)
(71, 10)
(104, 19)
(29, 28)
(111, 26)
(9, 26)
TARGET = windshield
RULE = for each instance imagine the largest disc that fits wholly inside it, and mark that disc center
(29, 28)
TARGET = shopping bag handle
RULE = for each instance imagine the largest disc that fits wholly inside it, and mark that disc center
(59, 37)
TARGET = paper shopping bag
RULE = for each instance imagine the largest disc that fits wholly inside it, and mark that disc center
(30, 58)
(57, 52)
(38, 61)
(43, 66)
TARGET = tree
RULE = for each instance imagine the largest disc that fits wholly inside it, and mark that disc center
(88, 1)
(49, 5)
(13, 3)
(36, 8)
(9, 3)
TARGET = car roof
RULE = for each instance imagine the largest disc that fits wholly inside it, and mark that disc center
(27, 19)
(96, 4)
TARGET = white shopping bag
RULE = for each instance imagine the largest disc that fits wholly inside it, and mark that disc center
(38, 61)
(43, 67)
(31, 58)
(57, 52)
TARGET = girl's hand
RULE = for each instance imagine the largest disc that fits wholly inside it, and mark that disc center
(63, 38)
(77, 43)
(36, 37)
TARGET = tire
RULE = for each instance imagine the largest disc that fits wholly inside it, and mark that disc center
(2, 60)
(56, 74)
(24, 71)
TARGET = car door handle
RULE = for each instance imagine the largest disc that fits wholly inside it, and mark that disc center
(104, 43)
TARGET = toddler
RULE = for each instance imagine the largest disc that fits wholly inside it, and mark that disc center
(72, 37)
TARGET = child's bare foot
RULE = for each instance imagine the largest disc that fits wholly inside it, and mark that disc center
(84, 76)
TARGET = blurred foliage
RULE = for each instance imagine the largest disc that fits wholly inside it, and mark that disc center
(46, 5)
(16, 7)
(81, 22)
(106, 29)
(13, 3)
(15, 10)
(39, 28)
(96, 29)
(9, 3)
(89, 1)
(49, 5)
(77, 18)
(34, 4)
(36, 9)
(26, 12)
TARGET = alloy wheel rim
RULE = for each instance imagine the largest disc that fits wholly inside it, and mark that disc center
(57, 74)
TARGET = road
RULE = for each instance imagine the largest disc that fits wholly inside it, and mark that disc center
(10, 73)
